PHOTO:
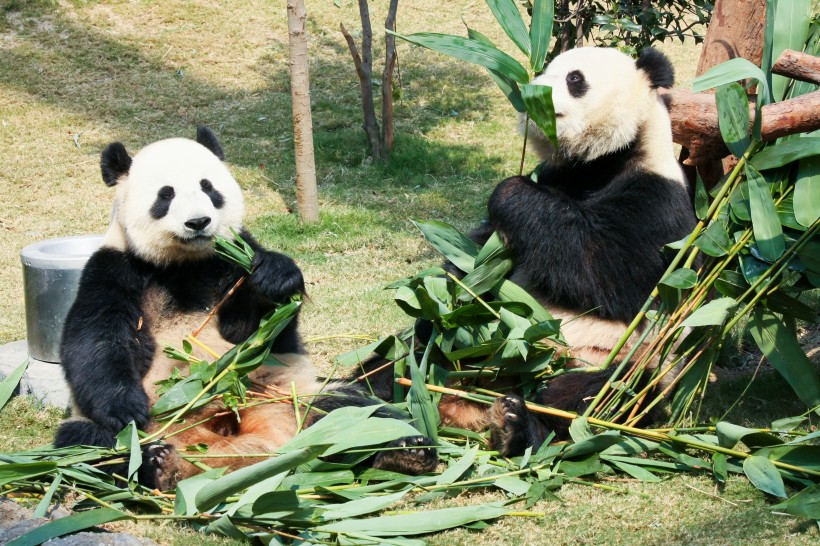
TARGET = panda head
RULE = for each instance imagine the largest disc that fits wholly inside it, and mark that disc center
(172, 198)
(603, 100)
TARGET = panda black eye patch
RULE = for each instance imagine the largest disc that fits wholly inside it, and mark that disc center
(212, 193)
(163, 202)
(576, 84)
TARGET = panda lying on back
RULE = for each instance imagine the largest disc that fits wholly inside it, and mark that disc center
(154, 281)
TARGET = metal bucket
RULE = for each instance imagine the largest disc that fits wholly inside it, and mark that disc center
(51, 276)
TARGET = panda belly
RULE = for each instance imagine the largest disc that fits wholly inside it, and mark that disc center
(258, 430)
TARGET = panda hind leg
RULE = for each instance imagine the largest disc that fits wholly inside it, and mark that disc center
(160, 466)
(416, 456)
(513, 428)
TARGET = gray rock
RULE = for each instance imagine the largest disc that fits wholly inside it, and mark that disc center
(42, 380)
(16, 520)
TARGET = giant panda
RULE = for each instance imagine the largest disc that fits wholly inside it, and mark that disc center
(587, 230)
(153, 281)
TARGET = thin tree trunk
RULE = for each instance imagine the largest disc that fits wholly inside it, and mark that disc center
(307, 199)
(387, 80)
(364, 69)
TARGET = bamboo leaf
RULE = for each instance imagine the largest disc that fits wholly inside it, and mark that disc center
(538, 100)
(594, 444)
(472, 51)
(507, 86)
(807, 191)
(805, 504)
(785, 355)
(348, 427)
(509, 291)
(791, 29)
(682, 278)
(733, 117)
(720, 467)
(10, 382)
(635, 471)
(359, 507)
(69, 524)
(766, 225)
(714, 241)
(730, 434)
(712, 314)
(217, 491)
(540, 32)
(129, 439)
(484, 277)
(734, 70)
(457, 469)
(783, 153)
(764, 475)
(23, 471)
(508, 16)
(701, 198)
(417, 523)
(513, 485)
(451, 243)
(419, 400)
(42, 507)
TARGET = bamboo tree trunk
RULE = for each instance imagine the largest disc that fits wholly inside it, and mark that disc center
(307, 199)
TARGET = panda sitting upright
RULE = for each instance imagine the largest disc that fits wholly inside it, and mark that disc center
(154, 281)
(587, 235)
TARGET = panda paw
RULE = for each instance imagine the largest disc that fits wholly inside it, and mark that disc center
(414, 460)
(115, 414)
(276, 276)
(159, 466)
(511, 426)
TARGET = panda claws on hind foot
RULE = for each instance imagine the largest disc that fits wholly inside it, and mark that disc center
(511, 426)
(159, 466)
(418, 458)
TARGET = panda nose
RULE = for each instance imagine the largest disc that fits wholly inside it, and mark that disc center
(198, 224)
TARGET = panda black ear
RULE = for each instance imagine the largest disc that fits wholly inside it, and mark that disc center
(657, 68)
(114, 162)
(207, 138)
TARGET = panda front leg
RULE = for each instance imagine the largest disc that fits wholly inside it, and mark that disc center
(275, 275)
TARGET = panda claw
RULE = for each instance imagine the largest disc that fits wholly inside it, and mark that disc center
(413, 461)
(510, 424)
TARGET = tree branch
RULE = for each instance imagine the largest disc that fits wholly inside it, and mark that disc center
(695, 121)
(799, 66)
(364, 69)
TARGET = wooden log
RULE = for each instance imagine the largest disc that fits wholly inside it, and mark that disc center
(695, 122)
(799, 66)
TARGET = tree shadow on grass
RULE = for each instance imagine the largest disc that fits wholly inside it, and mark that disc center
(80, 69)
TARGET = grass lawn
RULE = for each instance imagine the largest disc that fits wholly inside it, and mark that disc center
(76, 75)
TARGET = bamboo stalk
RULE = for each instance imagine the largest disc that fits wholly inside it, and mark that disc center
(641, 433)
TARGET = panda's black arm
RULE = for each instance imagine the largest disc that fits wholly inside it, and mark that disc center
(275, 279)
(106, 348)
(600, 253)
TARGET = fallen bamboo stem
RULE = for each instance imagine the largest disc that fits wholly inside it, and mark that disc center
(641, 433)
